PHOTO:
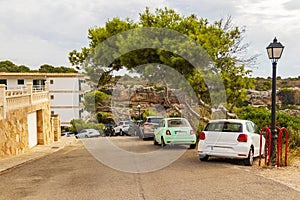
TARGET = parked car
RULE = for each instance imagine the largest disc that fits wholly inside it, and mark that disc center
(134, 128)
(174, 131)
(147, 128)
(67, 134)
(122, 127)
(88, 133)
(237, 139)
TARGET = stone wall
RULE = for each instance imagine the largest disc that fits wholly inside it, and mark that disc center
(14, 121)
(14, 129)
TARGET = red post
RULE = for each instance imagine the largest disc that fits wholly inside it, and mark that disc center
(286, 145)
(279, 148)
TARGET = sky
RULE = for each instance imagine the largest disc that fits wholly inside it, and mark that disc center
(37, 32)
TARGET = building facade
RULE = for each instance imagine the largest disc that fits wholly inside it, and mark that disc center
(65, 91)
(26, 120)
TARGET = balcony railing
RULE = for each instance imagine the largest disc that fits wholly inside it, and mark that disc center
(15, 99)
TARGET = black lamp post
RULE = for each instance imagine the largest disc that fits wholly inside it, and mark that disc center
(139, 108)
(275, 50)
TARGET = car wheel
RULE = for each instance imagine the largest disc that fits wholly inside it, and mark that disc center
(154, 141)
(249, 161)
(163, 144)
(192, 146)
(121, 133)
(86, 136)
(205, 158)
(142, 135)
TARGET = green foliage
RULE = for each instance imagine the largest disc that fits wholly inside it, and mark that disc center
(51, 69)
(220, 39)
(95, 99)
(104, 117)
(262, 117)
(79, 124)
(149, 112)
(287, 96)
(8, 66)
(264, 85)
(174, 115)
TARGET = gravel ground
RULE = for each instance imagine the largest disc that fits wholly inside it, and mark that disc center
(289, 176)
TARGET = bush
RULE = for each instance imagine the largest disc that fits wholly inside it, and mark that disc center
(79, 124)
(262, 117)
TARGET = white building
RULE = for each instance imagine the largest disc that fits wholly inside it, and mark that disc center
(65, 89)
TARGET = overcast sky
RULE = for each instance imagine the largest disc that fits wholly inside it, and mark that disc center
(36, 32)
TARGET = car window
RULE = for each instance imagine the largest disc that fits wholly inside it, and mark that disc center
(177, 123)
(250, 127)
(154, 120)
(161, 123)
(224, 127)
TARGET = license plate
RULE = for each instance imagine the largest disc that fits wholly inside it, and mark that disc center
(180, 132)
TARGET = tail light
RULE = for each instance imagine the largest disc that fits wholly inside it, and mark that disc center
(242, 138)
(192, 132)
(202, 136)
(168, 132)
(147, 124)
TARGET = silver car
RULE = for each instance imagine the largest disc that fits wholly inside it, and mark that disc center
(147, 129)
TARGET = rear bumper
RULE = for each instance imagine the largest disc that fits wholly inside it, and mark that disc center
(180, 140)
(237, 152)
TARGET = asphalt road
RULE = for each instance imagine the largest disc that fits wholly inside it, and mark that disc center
(135, 169)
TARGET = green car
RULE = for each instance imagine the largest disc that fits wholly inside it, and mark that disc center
(174, 131)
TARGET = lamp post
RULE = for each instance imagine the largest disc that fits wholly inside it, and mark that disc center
(139, 108)
(274, 50)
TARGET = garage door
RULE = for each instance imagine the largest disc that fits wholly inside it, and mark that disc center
(32, 129)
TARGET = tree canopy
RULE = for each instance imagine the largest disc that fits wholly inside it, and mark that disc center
(221, 40)
(8, 66)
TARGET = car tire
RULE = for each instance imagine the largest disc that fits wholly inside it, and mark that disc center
(154, 141)
(163, 144)
(192, 146)
(205, 158)
(142, 135)
(249, 161)
(86, 136)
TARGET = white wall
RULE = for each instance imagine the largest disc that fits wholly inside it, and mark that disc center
(64, 83)
(67, 114)
(64, 99)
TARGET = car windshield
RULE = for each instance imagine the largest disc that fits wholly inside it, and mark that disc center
(224, 127)
(177, 123)
(154, 120)
(128, 123)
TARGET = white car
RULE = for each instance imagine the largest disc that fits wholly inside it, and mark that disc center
(122, 127)
(88, 133)
(237, 139)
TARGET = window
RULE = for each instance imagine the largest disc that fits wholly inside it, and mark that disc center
(20, 81)
(252, 128)
(52, 112)
(51, 97)
(224, 127)
(3, 81)
(51, 81)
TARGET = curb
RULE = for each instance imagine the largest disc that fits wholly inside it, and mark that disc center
(39, 151)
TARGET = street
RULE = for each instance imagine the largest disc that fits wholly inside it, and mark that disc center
(80, 171)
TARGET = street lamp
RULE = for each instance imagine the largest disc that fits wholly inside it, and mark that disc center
(274, 50)
(139, 108)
